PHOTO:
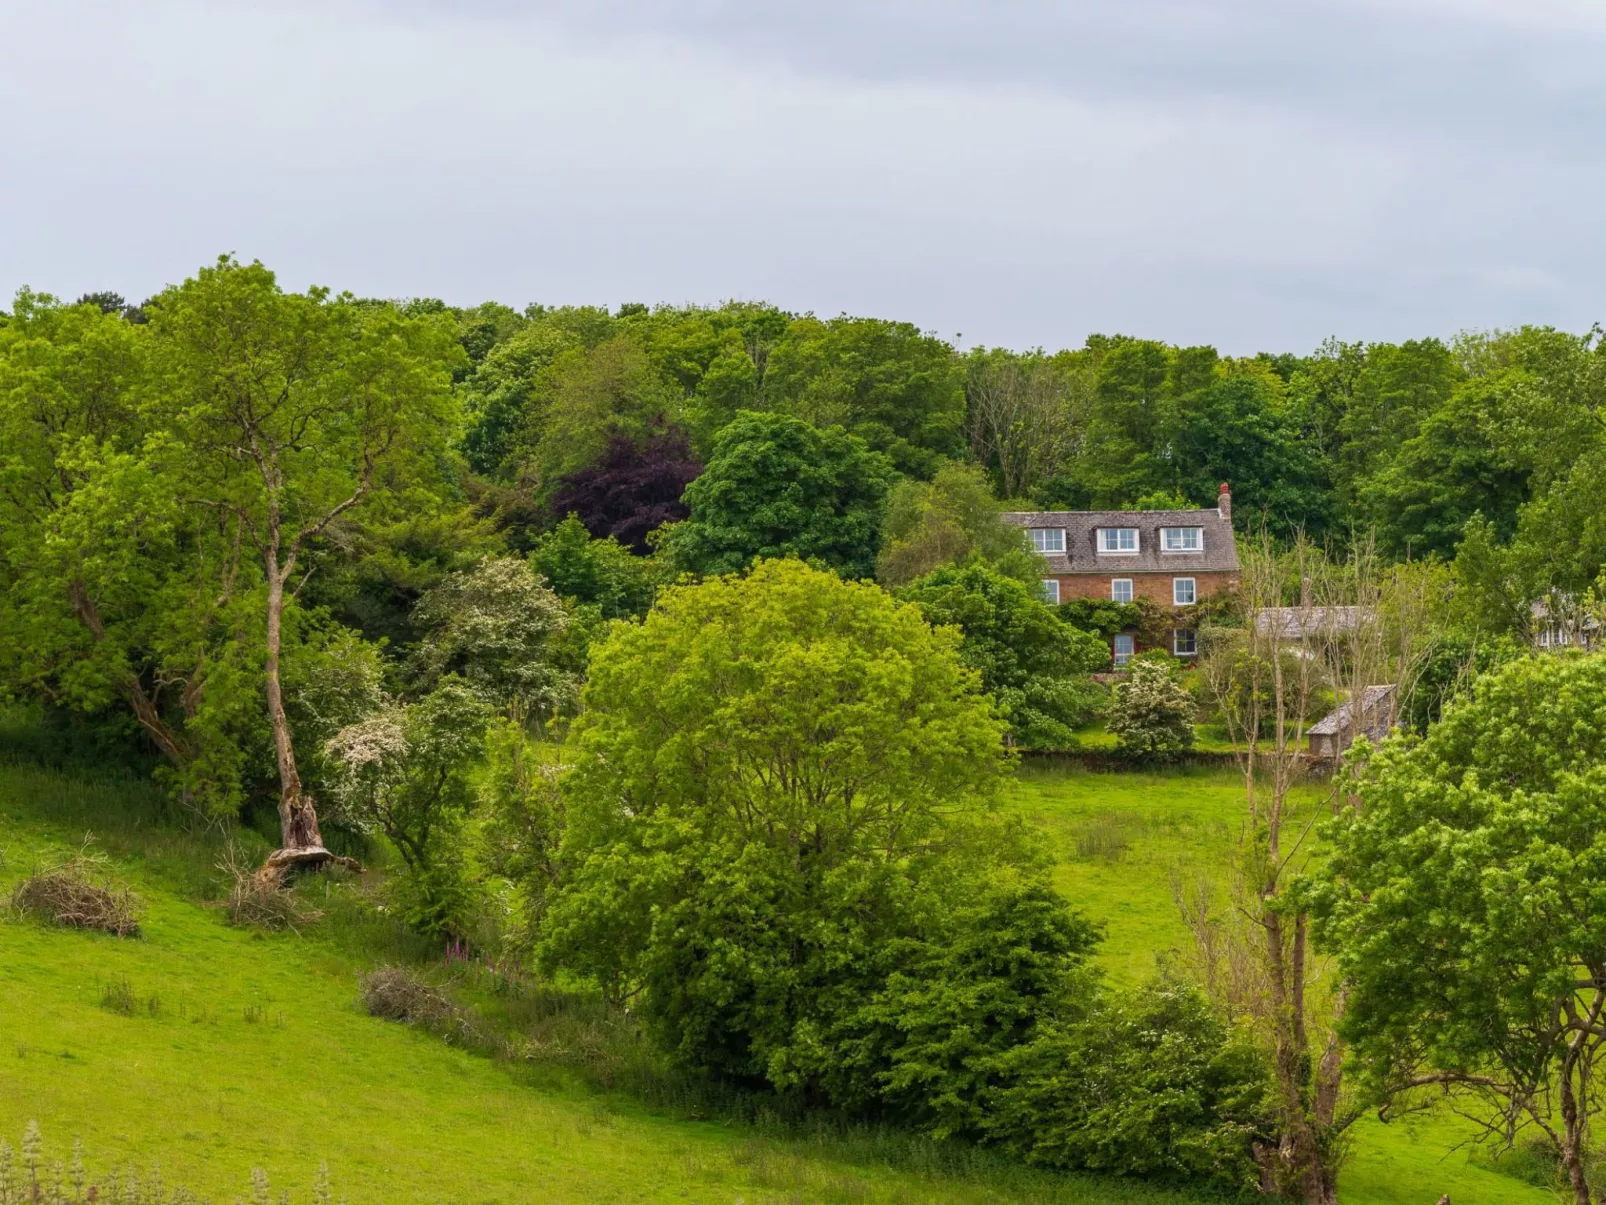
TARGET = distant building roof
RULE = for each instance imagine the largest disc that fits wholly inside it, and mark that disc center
(1296, 623)
(1081, 555)
(1338, 719)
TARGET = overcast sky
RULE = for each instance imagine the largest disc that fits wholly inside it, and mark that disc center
(1257, 174)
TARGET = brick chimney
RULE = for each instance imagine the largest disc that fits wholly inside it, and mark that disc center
(1224, 502)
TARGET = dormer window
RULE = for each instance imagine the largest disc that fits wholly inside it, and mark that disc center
(1182, 539)
(1048, 539)
(1118, 539)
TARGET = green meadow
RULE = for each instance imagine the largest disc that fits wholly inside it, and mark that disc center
(213, 1050)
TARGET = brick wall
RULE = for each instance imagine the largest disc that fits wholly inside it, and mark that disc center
(1156, 587)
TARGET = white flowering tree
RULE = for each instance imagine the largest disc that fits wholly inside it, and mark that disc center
(1151, 714)
(499, 628)
(407, 771)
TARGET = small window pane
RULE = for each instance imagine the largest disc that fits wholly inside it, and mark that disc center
(1118, 539)
(1121, 589)
(1051, 589)
(1182, 591)
(1184, 642)
(1123, 648)
(1048, 539)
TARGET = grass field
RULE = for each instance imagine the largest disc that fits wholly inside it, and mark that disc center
(250, 1051)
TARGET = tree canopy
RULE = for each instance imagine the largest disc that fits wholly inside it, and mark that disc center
(781, 779)
(1463, 898)
(776, 486)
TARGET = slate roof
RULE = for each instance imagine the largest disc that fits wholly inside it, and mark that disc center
(1296, 623)
(1335, 721)
(1219, 555)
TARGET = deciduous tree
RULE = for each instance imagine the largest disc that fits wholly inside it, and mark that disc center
(1463, 900)
(776, 486)
(283, 414)
(777, 846)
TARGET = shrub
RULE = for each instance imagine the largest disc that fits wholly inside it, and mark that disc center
(1150, 1084)
(78, 892)
(1035, 665)
(1151, 713)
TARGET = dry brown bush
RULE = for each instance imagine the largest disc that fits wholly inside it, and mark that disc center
(259, 898)
(396, 994)
(79, 892)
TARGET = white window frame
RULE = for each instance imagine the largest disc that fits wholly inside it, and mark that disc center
(1115, 589)
(1043, 544)
(1167, 534)
(1176, 642)
(1109, 544)
(1117, 655)
(1176, 592)
(1051, 590)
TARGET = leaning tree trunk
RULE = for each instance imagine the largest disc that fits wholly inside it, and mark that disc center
(298, 819)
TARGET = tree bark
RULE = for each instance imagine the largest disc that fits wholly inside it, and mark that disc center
(298, 819)
(1572, 1149)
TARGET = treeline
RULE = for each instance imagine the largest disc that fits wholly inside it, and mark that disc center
(1414, 441)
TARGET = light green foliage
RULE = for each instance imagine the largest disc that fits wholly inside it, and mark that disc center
(603, 574)
(407, 770)
(1462, 897)
(283, 415)
(501, 396)
(524, 820)
(777, 838)
(1151, 712)
(498, 627)
(1033, 664)
(951, 519)
(116, 592)
(776, 486)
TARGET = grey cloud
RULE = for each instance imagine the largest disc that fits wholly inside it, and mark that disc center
(1458, 72)
(1227, 171)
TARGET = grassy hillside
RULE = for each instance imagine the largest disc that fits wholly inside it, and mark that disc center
(249, 1051)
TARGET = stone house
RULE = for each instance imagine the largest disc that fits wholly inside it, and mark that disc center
(1173, 558)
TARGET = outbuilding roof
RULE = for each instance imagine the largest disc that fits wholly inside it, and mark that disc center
(1338, 719)
(1298, 623)
(1219, 554)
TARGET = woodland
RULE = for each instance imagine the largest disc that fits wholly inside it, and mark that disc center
(677, 660)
